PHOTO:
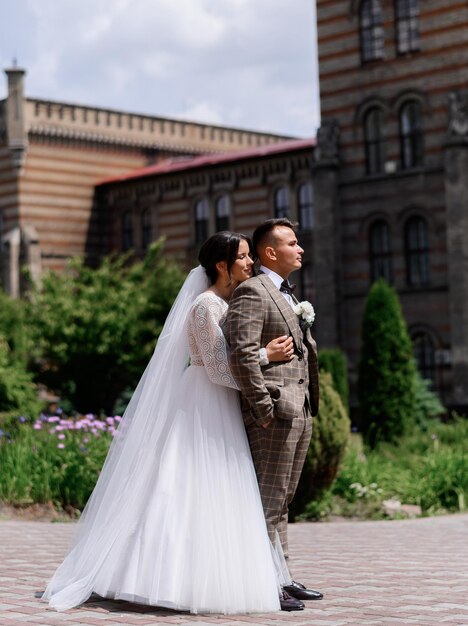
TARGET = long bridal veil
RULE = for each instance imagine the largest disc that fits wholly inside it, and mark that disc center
(127, 475)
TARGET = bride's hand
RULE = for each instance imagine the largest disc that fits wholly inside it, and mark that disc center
(280, 349)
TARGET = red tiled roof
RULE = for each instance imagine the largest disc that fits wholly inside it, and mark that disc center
(178, 164)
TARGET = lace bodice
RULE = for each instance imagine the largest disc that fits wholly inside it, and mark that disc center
(207, 344)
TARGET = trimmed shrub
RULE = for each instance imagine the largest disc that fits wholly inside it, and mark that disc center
(330, 435)
(334, 362)
(387, 371)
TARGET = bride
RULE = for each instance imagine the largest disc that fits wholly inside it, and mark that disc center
(175, 519)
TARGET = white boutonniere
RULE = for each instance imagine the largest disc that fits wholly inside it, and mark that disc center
(306, 312)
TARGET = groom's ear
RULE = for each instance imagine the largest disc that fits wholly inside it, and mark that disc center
(270, 253)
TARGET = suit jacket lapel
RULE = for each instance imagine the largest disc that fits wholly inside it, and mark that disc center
(284, 308)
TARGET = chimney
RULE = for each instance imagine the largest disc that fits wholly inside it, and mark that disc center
(15, 114)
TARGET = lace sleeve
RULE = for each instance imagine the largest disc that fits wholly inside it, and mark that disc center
(208, 343)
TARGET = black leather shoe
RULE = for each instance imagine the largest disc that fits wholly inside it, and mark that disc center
(289, 603)
(298, 591)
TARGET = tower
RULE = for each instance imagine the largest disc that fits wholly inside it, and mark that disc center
(393, 74)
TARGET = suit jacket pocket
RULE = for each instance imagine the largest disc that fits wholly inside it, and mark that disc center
(288, 401)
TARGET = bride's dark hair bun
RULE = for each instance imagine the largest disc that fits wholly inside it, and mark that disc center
(222, 246)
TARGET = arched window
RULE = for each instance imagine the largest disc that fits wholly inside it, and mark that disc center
(282, 202)
(417, 252)
(223, 212)
(373, 139)
(407, 25)
(380, 251)
(411, 135)
(424, 354)
(306, 282)
(201, 220)
(127, 231)
(305, 206)
(146, 229)
(372, 34)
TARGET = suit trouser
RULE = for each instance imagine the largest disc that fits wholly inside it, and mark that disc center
(278, 453)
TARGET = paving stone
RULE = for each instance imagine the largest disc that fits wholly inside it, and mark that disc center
(372, 573)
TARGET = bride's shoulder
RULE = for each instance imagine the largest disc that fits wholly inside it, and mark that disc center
(207, 299)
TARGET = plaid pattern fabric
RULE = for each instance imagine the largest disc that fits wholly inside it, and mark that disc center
(281, 392)
(279, 452)
(312, 365)
(258, 313)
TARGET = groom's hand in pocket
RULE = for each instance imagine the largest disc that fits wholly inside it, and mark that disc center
(266, 424)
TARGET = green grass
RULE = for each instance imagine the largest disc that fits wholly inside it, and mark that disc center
(58, 460)
(428, 468)
(55, 462)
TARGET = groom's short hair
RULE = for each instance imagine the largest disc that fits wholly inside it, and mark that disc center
(264, 235)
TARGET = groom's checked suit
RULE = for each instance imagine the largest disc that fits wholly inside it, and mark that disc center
(283, 395)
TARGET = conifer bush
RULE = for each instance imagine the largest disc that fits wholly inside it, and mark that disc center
(428, 404)
(387, 371)
(330, 435)
(334, 362)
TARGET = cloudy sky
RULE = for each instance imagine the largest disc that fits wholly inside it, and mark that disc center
(247, 63)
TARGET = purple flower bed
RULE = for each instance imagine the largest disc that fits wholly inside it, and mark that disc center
(54, 458)
(89, 423)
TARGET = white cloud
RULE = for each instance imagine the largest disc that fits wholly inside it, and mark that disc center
(242, 62)
(201, 110)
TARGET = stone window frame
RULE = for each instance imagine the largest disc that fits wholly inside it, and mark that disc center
(201, 222)
(411, 137)
(417, 250)
(407, 26)
(371, 31)
(308, 224)
(431, 344)
(127, 230)
(367, 106)
(279, 207)
(222, 222)
(380, 249)
(374, 143)
(146, 226)
(306, 280)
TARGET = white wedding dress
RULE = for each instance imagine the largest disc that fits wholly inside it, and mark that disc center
(189, 531)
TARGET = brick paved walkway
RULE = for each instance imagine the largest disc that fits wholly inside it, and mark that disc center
(399, 572)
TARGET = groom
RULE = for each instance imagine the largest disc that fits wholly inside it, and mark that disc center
(278, 399)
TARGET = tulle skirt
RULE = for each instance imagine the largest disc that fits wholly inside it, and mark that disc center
(195, 537)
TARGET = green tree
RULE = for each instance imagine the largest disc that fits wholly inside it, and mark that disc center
(330, 435)
(18, 394)
(387, 371)
(94, 329)
(334, 362)
(13, 327)
(428, 404)
(17, 390)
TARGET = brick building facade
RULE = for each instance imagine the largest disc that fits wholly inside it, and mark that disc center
(52, 154)
(393, 81)
(187, 200)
